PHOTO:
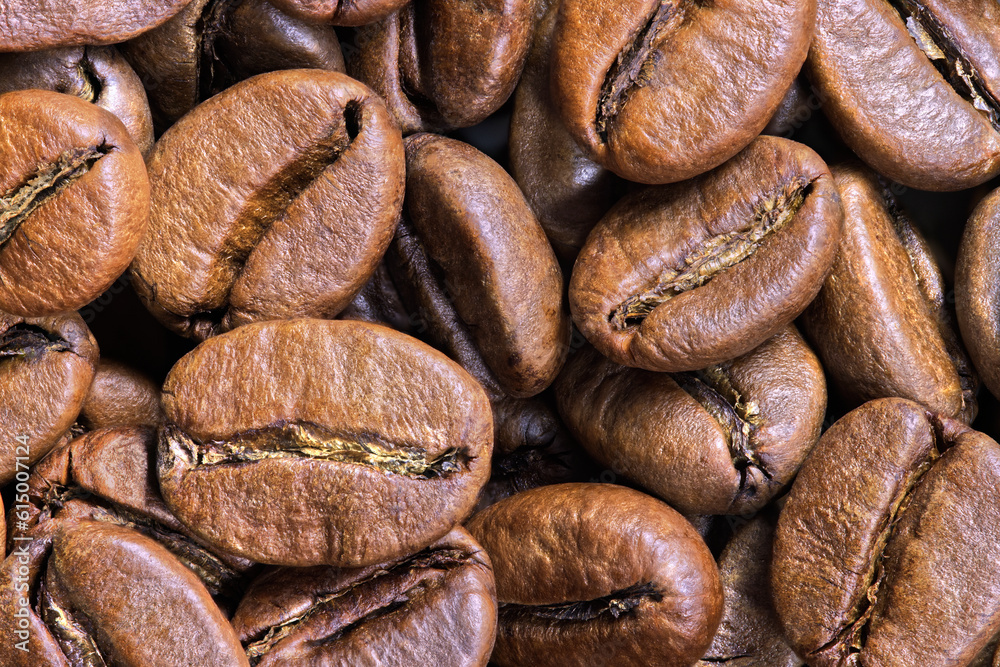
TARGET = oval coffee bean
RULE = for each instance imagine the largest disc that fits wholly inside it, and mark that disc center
(911, 86)
(568, 192)
(121, 396)
(470, 245)
(977, 297)
(723, 440)
(46, 367)
(881, 324)
(340, 12)
(294, 233)
(436, 607)
(96, 74)
(445, 64)
(74, 202)
(315, 442)
(749, 634)
(596, 574)
(660, 91)
(32, 25)
(212, 44)
(891, 535)
(681, 277)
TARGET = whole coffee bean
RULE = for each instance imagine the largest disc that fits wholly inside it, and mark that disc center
(340, 12)
(96, 74)
(881, 323)
(32, 25)
(977, 299)
(121, 396)
(46, 367)
(212, 44)
(682, 277)
(596, 574)
(749, 634)
(436, 607)
(295, 233)
(445, 64)
(469, 244)
(568, 192)
(910, 85)
(723, 440)
(74, 202)
(660, 91)
(316, 442)
(890, 536)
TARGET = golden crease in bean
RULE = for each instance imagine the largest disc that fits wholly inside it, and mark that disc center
(616, 604)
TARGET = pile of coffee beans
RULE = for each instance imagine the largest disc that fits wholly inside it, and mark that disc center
(522, 333)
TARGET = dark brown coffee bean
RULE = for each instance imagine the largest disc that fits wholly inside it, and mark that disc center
(74, 202)
(96, 74)
(316, 442)
(568, 192)
(911, 86)
(749, 634)
(800, 103)
(46, 367)
(881, 323)
(445, 64)
(977, 297)
(891, 535)
(436, 607)
(469, 250)
(32, 25)
(212, 44)
(660, 91)
(121, 396)
(682, 277)
(294, 233)
(340, 12)
(596, 574)
(723, 440)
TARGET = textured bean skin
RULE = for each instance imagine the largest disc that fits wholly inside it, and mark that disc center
(660, 91)
(889, 101)
(295, 231)
(881, 323)
(74, 202)
(567, 543)
(121, 396)
(354, 382)
(340, 12)
(680, 277)
(864, 557)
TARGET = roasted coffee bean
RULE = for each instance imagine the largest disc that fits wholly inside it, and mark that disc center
(682, 277)
(797, 106)
(436, 607)
(96, 74)
(316, 442)
(749, 634)
(660, 91)
(722, 440)
(470, 250)
(911, 86)
(212, 44)
(445, 64)
(100, 584)
(294, 233)
(596, 574)
(568, 192)
(121, 396)
(881, 323)
(340, 12)
(46, 367)
(977, 297)
(31, 25)
(74, 202)
(890, 536)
